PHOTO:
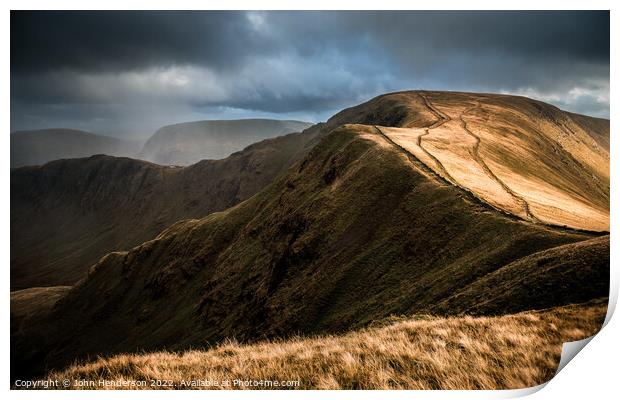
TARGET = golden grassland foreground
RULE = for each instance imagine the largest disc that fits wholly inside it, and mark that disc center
(417, 352)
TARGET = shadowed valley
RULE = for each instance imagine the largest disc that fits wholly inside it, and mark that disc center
(67, 214)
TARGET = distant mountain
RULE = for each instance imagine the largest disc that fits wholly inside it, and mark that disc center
(190, 142)
(40, 146)
(67, 214)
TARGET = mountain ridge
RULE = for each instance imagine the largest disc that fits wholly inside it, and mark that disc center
(266, 267)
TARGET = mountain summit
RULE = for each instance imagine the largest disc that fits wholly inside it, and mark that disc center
(521, 156)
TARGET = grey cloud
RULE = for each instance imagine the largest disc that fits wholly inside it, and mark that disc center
(93, 68)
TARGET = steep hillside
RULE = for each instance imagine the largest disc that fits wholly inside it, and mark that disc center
(357, 231)
(41, 146)
(190, 142)
(415, 352)
(67, 214)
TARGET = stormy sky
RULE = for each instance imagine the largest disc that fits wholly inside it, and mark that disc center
(126, 74)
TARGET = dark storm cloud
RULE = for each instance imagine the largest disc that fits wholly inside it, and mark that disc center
(568, 34)
(95, 66)
(95, 40)
(110, 40)
(502, 48)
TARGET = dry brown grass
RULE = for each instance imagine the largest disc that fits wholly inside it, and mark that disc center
(512, 351)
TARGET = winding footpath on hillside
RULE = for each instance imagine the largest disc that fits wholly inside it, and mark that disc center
(439, 178)
(441, 119)
(475, 153)
(441, 174)
(416, 161)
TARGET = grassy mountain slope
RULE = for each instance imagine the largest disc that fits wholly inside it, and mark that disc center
(598, 128)
(419, 352)
(41, 146)
(67, 214)
(355, 232)
(190, 142)
(521, 156)
(545, 278)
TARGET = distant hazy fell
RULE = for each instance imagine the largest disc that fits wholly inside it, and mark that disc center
(416, 352)
(41, 146)
(188, 143)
